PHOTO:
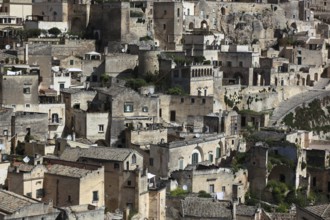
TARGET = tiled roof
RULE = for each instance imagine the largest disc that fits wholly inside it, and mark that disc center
(244, 210)
(102, 153)
(320, 210)
(11, 202)
(114, 90)
(205, 208)
(25, 167)
(61, 170)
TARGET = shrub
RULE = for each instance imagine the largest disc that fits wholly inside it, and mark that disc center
(178, 192)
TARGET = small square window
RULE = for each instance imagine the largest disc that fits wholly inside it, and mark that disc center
(128, 107)
(26, 90)
(116, 165)
(27, 106)
(5, 132)
(71, 62)
(144, 109)
(101, 128)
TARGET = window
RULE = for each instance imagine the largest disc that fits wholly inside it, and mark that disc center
(69, 199)
(314, 181)
(151, 161)
(165, 12)
(211, 187)
(223, 189)
(203, 101)
(27, 106)
(62, 86)
(26, 90)
(55, 118)
(194, 158)
(29, 194)
(116, 165)
(182, 100)
(40, 193)
(5, 132)
(218, 153)
(101, 128)
(164, 26)
(95, 195)
(71, 62)
(192, 100)
(211, 158)
(178, 12)
(133, 159)
(129, 182)
(128, 107)
(144, 109)
(229, 63)
(181, 164)
(240, 64)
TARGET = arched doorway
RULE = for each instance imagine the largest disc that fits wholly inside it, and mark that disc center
(223, 11)
(204, 24)
(191, 25)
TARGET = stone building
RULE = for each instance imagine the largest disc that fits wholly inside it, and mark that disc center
(174, 108)
(19, 88)
(237, 63)
(222, 183)
(168, 19)
(201, 42)
(290, 168)
(168, 157)
(119, 64)
(5, 129)
(75, 99)
(14, 206)
(86, 185)
(126, 183)
(127, 109)
(27, 180)
(196, 80)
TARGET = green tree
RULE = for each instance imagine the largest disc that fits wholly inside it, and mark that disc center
(175, 91)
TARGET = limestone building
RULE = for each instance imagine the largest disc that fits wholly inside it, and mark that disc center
(14, 206)
(86, 185)
(125, 181)
(168, 19)
(27, 180)
(220, 182)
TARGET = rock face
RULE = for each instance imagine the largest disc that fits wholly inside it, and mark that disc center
(245, 27)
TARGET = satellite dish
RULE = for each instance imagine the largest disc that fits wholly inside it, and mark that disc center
(18, 45)
(26, 159)
(184, 187)
(7, 47)
(123, 50)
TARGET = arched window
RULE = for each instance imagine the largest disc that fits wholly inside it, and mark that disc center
(55, 118)
(133, 159)
(194, 158)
